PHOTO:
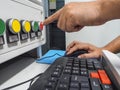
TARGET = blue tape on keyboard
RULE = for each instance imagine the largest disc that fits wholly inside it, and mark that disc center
(51, 56)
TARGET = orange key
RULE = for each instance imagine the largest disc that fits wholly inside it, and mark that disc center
(103, 77)
(94, 75)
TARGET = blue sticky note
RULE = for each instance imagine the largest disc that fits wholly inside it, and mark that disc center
(51, 56)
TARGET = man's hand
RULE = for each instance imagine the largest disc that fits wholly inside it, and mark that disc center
(93, 51)
(74, 16)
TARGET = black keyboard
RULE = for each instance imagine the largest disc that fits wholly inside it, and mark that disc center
(70, 73)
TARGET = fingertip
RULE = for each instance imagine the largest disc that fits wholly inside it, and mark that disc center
(67, 53)
(79, 56)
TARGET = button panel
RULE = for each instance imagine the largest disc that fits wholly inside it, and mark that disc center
(15, 28)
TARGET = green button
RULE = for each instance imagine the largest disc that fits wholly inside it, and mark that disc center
(36, 27)
(2, 27)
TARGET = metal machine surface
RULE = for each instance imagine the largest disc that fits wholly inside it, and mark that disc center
(21, 28)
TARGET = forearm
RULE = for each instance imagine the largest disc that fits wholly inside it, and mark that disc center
(109, 9)
(113, 46)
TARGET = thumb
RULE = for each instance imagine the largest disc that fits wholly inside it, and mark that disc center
(88, 55)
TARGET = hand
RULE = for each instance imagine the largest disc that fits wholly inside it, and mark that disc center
(74, 16)
(93, 51)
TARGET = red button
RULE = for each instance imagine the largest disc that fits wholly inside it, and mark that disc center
(41, 26)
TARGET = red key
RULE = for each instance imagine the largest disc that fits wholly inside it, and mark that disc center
(103, 77)
(94, 75)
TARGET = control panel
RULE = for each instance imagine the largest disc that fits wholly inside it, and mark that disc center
(21, 28)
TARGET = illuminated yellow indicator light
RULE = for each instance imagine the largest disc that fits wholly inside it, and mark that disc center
(26, 26)
(15, 26)
(2, 27)
(35, 26)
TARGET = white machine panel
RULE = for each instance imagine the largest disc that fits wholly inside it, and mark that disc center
(21, 10)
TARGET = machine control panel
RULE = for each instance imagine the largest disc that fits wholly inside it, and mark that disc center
(20, 31)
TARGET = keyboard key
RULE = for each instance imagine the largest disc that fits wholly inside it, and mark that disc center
(85, 84)
(76, 65)
(98, 66)
(74, 89)
(103, 77)
(74, 85)
(55, 74)
(83, 66)
(62, 86)
(53, 79)
(69, 64)
(67, 71)
(46, 88)
(107, 87)
(50, 85)
(90, 67)
(84, 72)
(65, 79)
(79, 79)
(75, 68)
(94, 75)
(75, 72)
(59, 66)
(67, 67)
(85, 89)
(95, 85)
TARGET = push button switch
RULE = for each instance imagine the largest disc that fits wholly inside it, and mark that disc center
(2, 30)
(13, 28)
(41, 26)
(26, 27)
(34, 28)
(39, 32)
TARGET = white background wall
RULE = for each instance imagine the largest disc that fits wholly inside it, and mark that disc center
(97, 35)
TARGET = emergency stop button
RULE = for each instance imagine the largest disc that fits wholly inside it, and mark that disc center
(14, 26)
(2, 27)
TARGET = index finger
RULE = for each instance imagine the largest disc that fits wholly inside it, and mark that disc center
(71, 45)
(52, 18)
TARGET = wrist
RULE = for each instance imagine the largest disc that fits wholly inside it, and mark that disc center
(109, 9)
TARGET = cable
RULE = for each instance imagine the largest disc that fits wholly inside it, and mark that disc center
(33, 80)
(22, 82)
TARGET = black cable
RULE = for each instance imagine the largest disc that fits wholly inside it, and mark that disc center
(41, 59)
(33, 80)
(21, 83)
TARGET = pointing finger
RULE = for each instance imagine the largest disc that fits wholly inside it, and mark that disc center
(52, 18)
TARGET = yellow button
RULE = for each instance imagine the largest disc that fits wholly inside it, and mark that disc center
(15, 26)
(26, 26)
